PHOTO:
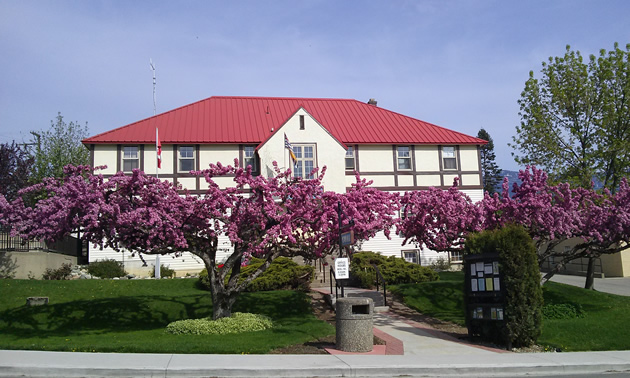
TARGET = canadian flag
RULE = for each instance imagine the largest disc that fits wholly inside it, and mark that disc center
(158, 148)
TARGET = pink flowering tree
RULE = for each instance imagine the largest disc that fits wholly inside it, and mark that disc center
(262, 217)
(553, 214)
(438, 219)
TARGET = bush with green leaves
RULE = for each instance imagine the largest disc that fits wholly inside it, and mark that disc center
(62, 273)
(283, 273)
(165, 272)
(395, 270)
(239, 322)
(107, 269)
(563, 311)
(440, 264)
(521, 281)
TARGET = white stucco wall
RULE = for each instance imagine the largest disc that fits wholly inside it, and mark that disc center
(427, 159)
(329, 152)
(105, 154)
(469, 158)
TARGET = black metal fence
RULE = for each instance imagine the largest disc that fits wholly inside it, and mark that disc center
(69, 245)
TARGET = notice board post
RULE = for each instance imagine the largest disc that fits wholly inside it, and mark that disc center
(485, 297)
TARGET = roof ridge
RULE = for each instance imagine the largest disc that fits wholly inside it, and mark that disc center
(284, 98)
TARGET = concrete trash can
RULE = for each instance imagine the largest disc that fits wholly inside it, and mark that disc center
(354, 324)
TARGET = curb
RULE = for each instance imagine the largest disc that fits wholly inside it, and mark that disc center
(64, 364)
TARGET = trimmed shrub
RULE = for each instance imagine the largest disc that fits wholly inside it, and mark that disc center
(165, 272)
(394, 270)
(62, 273)
(283, 273)
(521, 282)
(237, 323)
(107, 269)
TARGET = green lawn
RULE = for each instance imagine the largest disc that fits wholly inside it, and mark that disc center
(443, 299)
(130, 316)
(605, 326)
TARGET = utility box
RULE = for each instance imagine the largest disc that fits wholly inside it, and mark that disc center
(354, 324)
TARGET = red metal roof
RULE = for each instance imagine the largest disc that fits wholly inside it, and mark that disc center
(250, 120)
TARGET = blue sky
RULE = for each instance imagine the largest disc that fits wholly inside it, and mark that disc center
(458, 64)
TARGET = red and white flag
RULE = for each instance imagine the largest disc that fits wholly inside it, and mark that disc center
(158, 148)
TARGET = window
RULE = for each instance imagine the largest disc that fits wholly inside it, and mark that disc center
(131, 159)
(301, 122)
(448, 156)
(305, 155)
(456, 256)
(410, 256)
(186, 158)
(404, 157)
(249, 157)
(350, 159)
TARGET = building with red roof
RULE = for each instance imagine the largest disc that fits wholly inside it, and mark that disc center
(397, 152)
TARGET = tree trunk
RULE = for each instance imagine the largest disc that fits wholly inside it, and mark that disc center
(590, 274)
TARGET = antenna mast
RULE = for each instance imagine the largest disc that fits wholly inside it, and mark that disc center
(153, 69)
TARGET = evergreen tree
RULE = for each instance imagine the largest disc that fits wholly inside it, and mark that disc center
(490, 171)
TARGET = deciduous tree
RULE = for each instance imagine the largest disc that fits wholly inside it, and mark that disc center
(59, 146)
(575, 119)
(262, 217)
(438, 219)
(552, 214)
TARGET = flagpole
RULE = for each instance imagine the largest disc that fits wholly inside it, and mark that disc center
(157, 268)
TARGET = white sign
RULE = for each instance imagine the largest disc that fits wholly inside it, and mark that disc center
(342, 268)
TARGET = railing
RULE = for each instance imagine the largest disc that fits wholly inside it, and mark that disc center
(380, 278)
(69, 245)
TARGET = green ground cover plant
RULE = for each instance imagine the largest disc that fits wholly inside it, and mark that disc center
(237, 323)
(131, 316)
(601, 323)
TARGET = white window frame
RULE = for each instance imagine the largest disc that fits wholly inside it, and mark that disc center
(401, 156)
(456, 257)
(415, 258)
(350, 159)
(128, 157)
(186, 158)
(300, 169)
(249, 157)
(450, 153)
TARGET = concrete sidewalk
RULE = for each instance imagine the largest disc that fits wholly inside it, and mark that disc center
(615, 285)
(60, 364)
